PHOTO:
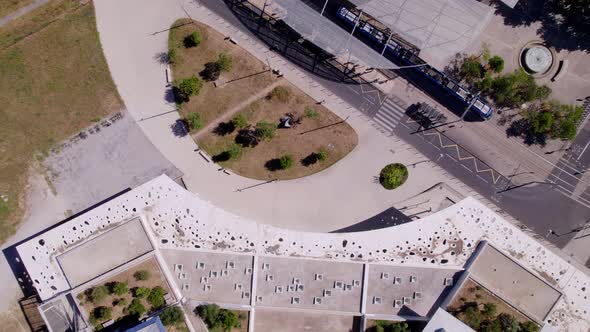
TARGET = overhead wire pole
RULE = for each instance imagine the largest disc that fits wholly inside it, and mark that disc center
(324, 8)
(261, 16)
(356, 24)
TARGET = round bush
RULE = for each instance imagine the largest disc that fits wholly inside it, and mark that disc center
(393, 176)
(286, 162)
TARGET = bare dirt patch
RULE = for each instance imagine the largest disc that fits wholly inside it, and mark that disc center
(246, 78)
(323, 130)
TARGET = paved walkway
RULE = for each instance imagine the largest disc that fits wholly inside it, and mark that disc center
(228, 114)
(334, 198)
(21, 11)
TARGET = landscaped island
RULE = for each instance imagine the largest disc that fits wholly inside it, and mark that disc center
(245, 117)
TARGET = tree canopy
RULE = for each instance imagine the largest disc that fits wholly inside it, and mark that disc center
(393, 176)
(215, 317)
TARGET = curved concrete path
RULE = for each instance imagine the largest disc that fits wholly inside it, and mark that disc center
(134, 35)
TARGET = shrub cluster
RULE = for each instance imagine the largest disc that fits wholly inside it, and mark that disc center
(216, 317)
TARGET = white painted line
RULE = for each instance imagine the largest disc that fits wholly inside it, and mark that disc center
(581, 153)
(467, 168)
(448, 155)
(486, 181)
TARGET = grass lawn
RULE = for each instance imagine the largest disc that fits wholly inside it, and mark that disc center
(54, 81)
(213, 102)
(9, 6)
(156, 279)
(333, 135)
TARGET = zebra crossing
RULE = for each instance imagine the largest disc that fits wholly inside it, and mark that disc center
(389, 114)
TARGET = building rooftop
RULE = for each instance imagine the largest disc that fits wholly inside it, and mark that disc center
(514, 284)
(177, 220)
(442, 321)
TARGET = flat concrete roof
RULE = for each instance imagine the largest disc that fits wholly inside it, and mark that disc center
(336, 285)
(443, 321)
(296, 321)
(513, 283)
(211, 277)
(423, 289)
(104, 253)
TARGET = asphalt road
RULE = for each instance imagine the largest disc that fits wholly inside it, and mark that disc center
(541, 207)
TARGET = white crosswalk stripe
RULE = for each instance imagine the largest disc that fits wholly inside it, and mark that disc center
(389, 115)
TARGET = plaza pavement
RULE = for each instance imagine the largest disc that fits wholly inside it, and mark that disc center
(134, 33)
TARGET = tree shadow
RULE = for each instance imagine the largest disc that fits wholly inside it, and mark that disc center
(179, 128)
(224, 128)
(247, 138)
(162, 58)
(188, 42)
(273, 165)
(522, 128)
(311, 159)
(555, 31)
(178, 96)
(221, 157)
(211, 72)
(169, 96)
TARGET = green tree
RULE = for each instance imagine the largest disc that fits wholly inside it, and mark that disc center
(471, 69)
(265, 130)
(228, 320)
(386, 326)
(171, 316)
(489, 310)
(101, 314)
(141, 292)
(98, 294)
(224, 62)
(136, 308)
(393, 176)
(240, 121)
(120, 288)
(192, 40)
(209, 313)
(516, 88)
(194, 121)
(286, 161)
(568, 120)
(485, 84)
(156, 297)
(529, 326)
(542, 122)
(508, 322)
(188, 87)
(472, 316)
(141, 275)
(496, 64)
